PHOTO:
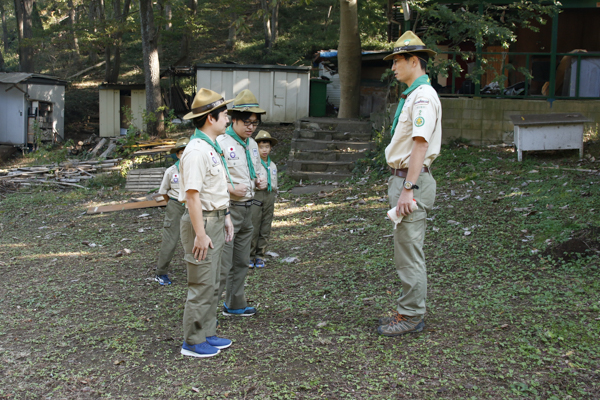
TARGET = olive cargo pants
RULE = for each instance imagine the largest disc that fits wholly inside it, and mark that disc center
(234, 261)
(170, 235)
(199, 315)
(408, 244)
(262, 218)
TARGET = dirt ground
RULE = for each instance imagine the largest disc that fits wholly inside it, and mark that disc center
(508, 315)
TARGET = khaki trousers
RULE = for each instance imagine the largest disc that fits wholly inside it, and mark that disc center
(408, 244)
(170, 235)
(262, 218)
(200, 314)
(236, 254)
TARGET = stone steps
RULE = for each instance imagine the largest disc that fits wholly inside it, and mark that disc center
(325, 149)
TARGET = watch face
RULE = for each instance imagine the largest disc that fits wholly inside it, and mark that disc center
(408, 185)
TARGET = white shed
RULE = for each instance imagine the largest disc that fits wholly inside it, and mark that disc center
(282, 91)
(29, 104)
(113, 99)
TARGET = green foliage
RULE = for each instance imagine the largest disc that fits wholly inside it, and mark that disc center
(115, 179)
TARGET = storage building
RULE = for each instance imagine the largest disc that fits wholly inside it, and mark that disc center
(120, 106)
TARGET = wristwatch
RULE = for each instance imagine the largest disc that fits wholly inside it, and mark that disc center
(408, 185)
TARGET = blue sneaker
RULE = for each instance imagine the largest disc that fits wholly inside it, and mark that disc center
(240, 312)
(259, 263)
(219, 343)
(162, 279)
(201, 350)
(251, 264)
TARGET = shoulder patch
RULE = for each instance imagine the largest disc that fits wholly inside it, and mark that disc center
(419, 121)
(422, 102)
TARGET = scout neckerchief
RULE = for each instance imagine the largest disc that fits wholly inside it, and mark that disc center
(422, 80)
(177, 165)
(244, 144)
(267, 165)
(198, 134)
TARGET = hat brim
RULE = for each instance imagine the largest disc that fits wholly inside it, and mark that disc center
(191, 115)
(176, 149)
(252, 110)
(272, 140)
(428, 51)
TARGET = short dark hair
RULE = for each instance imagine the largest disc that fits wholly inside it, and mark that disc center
(242, 115)
(199, 122)
(259, 141)
(423, 58)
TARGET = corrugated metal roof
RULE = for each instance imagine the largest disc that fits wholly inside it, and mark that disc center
(18, 77)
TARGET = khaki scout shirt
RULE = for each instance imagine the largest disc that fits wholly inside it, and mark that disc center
(201, 169)
(421, 116)
(262, 173)
(238, 163)
(170, 183)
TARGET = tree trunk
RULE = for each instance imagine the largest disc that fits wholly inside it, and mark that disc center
(168, 16)
(23, 10)
(155, 126)
(1, 61)
(266, 22)
(92, 17)
(274, 23)
(4, 27)
(72, 22)
(184, 47)
(349, 60)
(231, 39)
(113, 51)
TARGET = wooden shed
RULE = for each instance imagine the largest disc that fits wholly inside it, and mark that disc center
(30, 105)
(117, 103)
(281, 90)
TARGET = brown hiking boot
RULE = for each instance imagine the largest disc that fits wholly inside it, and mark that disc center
(401, 324)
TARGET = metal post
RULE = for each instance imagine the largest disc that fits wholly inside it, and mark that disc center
(552, 88)
(578, 76)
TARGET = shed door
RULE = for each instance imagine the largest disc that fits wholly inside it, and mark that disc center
(12, 115)
(110, 121)
(279, 96)
(138, 106)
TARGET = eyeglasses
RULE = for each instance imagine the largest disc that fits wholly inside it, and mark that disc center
(253, 123)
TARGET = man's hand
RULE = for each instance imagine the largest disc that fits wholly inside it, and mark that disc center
(261, 183)
(228, 229)
(201, 245)
(405, 203)
(240, 190)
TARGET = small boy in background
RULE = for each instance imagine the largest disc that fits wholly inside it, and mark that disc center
(262, 216)
(173, 213)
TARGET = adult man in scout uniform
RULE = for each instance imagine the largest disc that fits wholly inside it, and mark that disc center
(241, 153)
(173, 213)
(206, 225)
(416, 141)
(262, 215)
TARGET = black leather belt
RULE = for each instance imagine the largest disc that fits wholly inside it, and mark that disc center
(247, 203)
(404, 171)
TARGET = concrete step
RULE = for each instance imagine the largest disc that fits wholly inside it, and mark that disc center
(320, 134)
(342, 167)
(334, 124)
(310, 144)
(327, 155)
(318, 176)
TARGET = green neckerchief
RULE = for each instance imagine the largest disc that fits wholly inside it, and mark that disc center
(234, 135)
(267, 167)
(198, 134)
(422, 80)
(177, 165)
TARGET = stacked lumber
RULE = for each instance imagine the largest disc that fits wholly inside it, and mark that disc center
(144, 180)
(66, 174)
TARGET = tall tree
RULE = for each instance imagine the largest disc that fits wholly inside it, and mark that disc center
(155, 120)
(349, 61)
(24, 9)
(112, 51)
(4, 26)
(270, 15)
(72, 22)
(184, 46)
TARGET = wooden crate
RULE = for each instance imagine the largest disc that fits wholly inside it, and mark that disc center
(144, 180)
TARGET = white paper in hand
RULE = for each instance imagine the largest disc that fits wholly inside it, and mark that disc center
(397, 219)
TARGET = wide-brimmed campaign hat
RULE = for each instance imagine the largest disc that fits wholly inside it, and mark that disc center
(264, 135)
(180, 145)
(409, 43)
(245, 101)
(204, 102)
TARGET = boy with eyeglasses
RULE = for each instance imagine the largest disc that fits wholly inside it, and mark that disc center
(242, 157)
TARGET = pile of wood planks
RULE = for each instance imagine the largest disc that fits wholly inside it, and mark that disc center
(144, 180)
(66, 174)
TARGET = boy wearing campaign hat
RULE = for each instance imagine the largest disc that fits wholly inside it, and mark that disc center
(241, 154)
(416, 141)
(262, 215)
(173, 213)
(205, 225)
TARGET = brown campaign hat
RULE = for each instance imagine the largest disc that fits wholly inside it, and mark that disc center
(180, 145)
(409, 43)
(264, 135)
(204, 102)
(245, 101)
